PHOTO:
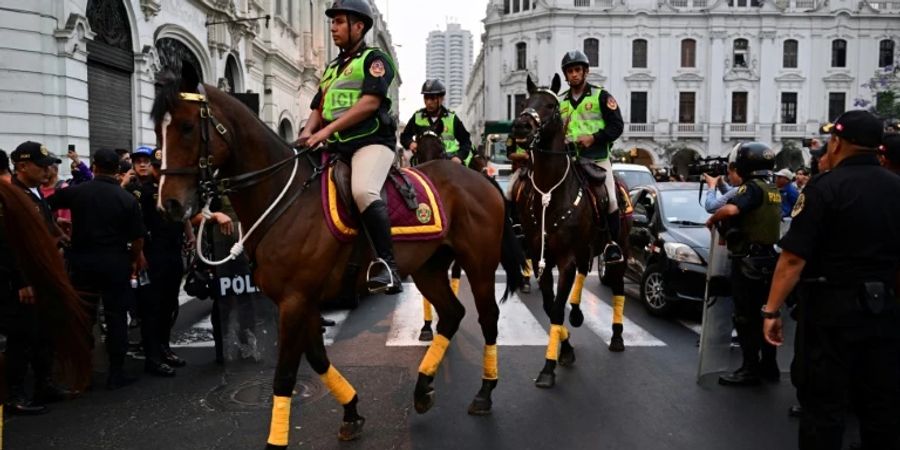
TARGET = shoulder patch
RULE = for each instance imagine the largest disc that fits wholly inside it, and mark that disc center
(742, 189)
(377, 68)
(798, 207)
(611, 103)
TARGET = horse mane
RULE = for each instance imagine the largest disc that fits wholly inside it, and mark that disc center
(60, 309)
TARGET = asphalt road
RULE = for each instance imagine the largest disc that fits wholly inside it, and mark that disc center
(644, 398)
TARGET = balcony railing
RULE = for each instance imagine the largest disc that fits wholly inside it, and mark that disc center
(640, 129)
(582, 3)
(688, 3)
(596, 3)
(687, 128)
(789, 130)
(804, 4)
(886, 5)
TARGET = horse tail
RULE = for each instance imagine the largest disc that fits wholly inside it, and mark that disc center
(61, 311)
(512, 257)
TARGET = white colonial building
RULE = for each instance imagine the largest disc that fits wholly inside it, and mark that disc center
(692, 77)
(81, 71)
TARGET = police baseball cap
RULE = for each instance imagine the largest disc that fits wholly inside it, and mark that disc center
(107, 160)
(144, 151)
(857, 126)
(34, 152)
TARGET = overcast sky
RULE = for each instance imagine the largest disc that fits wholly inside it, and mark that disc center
(410, 21)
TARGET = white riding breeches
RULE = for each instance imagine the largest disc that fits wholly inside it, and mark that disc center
(369, 169)
(610, 185)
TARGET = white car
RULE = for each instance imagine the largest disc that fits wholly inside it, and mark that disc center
(634, 175)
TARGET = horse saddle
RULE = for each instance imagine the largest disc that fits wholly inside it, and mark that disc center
(414, 205)
(592, 173)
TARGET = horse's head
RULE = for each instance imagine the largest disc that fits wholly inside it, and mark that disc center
(429, 145)
(540, 119)
(193, 143)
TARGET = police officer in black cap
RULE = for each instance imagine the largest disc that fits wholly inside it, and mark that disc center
(842, 253)
(457, 141)
(751, 224)
(163, 242)
(105, 220)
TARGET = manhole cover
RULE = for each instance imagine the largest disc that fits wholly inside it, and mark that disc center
(255, 393)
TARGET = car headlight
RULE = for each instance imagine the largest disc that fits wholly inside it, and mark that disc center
(681, 253)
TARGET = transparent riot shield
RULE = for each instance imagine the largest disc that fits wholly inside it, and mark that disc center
(718, 354)
(245, 322)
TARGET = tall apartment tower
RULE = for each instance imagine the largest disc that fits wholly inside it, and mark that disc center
(449, 58)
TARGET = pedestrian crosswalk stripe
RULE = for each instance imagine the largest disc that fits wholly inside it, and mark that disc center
(598, 318)
(407, 319)
(693, 326)
(199, 335)
(339, 317)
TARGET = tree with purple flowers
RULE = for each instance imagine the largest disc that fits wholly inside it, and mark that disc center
(885, 89)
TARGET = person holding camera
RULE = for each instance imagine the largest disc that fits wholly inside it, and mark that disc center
(717, 185)
(751, 223)
(842, 253)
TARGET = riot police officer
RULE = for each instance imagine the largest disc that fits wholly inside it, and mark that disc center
(842, 253)
(751, 224)
(594, 122)
(351, 112)
(457, 142)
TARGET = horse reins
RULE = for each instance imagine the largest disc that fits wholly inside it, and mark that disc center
(211, 189)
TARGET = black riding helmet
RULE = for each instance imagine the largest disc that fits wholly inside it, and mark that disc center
(753, 159)
(361, 9)
(433, 87)
(573, 57)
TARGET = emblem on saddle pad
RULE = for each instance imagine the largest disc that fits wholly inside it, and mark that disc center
(424, 213)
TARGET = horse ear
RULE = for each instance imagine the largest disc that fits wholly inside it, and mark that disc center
(532, 88)
(556, 84)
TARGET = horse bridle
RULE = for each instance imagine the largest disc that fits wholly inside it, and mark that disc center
(534, 138)
(210, 187)
(431, 133)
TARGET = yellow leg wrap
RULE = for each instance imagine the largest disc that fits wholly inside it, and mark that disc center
(434, 355)
(618, 308)
(556, 332)
(527, 272)
(454, 285)
(281, 416)
(563, 333)
(426, 308)
(490, 362)
(575, 295)
(338, 385)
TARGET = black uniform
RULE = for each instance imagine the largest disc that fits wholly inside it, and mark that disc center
(105, 218)
(846, 227)
(163, 243)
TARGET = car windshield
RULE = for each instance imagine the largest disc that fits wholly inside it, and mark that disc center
(683, 208)
(633, 178)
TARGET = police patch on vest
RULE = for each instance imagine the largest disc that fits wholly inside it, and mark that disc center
(588, 106)
(742, 189)
(798, 207)
(611, 103)
(348, 71)
(423, 213)
(377, 68)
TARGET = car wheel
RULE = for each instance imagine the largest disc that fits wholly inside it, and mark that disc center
(653, 291)
(602, 273)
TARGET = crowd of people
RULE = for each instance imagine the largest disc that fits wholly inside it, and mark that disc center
(124, 258)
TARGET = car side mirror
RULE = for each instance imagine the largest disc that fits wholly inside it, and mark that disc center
(640, 220)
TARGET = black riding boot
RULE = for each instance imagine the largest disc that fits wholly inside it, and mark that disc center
(612, 253)
(383, 278)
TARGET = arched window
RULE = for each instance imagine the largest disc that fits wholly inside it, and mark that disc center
(286, 131)
(741, 48)
(789, 54)
(688, 53)
(838, 53)
(592, 50)
(521, 55)
(886, 53)
(639, 53)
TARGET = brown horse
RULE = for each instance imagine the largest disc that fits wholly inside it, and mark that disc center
(560, 224)
(211, 140)
(60, 311)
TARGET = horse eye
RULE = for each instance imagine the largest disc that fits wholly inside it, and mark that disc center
(187, 127)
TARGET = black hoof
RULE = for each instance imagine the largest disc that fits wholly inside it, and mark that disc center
(545, 380)
(566, 356)
(576, 318)
(423, 402)
(426, 334)
(480, 407)
(350, 431)
(617, 344)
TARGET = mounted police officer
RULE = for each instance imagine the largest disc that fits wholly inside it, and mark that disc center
(751, 224)
(457, 142)
(594, 122)
(842, 253)
(351, 112)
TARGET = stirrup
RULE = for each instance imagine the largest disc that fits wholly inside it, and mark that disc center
(386, 287)
(611, 247)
